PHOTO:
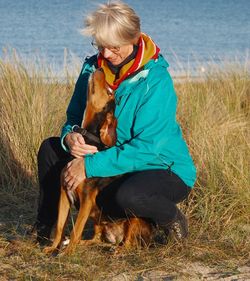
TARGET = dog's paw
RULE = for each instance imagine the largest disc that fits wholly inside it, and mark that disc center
(90, 242)
(67, 251)
(118, 251)
(50, 250)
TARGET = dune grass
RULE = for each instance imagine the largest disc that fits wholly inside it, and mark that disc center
(214, 113)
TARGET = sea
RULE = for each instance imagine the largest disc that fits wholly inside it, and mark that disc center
(190, 33)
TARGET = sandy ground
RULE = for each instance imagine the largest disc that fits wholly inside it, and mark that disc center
(194, 271)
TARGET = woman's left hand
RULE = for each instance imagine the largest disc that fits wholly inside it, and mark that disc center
(74, 174)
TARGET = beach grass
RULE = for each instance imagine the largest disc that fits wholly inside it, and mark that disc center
(214, 113)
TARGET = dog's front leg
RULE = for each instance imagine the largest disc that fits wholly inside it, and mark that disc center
(98, 229)
(63, 211)
(86, 205)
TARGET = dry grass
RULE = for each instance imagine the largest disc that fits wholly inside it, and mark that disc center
(214, 113)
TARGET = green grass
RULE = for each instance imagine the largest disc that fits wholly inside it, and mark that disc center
(214, 113)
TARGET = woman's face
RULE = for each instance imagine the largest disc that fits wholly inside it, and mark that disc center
(117, 56)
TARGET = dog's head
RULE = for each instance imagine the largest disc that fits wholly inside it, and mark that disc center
(113, 232)
(99, 93)
(99, 113)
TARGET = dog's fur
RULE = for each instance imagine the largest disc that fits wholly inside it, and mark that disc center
(127, 232)
(99, 120)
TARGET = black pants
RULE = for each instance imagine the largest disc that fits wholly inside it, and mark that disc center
(151, 194)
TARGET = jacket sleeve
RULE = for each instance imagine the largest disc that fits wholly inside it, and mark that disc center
(153, 120)
(77, 103)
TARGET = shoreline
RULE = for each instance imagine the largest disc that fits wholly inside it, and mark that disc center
(71, 65)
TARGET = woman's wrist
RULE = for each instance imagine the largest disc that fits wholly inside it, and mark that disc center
(65, 140)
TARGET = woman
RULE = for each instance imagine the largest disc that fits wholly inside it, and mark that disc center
(150, 152)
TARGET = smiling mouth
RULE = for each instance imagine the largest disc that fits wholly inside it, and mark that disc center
(113, 61)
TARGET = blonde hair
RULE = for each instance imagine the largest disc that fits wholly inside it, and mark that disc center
(113, 24)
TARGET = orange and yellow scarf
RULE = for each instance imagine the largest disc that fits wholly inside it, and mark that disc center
(147, 50)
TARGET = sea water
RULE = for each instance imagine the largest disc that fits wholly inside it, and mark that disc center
(190, 33)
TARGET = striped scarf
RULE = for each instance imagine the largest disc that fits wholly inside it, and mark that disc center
(147, 50)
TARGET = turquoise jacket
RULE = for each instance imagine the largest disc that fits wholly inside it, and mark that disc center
(148, 135)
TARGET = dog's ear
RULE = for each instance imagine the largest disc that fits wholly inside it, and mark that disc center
(89, 111)
(108, 130)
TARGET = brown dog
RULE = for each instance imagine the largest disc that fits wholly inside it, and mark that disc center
(128, 233)
(99, 129)
(125, 233)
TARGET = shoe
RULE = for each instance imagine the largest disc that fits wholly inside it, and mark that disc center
(179, 227)
(41, 232)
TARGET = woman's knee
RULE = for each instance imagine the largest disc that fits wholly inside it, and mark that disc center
(50, 160)
(48, 149)
(44, 148)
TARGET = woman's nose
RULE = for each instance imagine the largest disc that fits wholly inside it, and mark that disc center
(106, 53)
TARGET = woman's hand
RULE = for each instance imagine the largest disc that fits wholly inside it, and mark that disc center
(77, 145)
(74, 174)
